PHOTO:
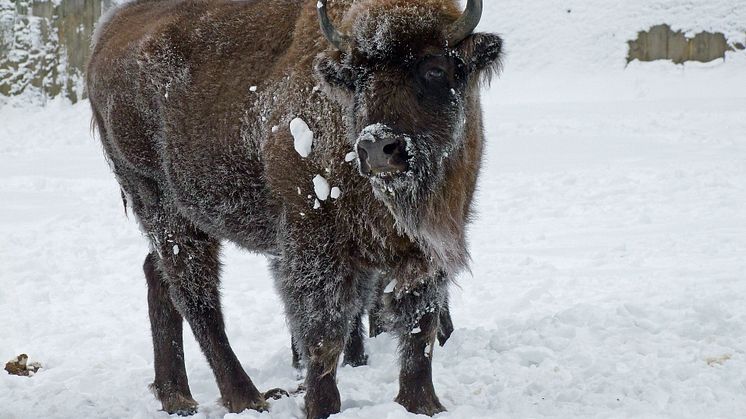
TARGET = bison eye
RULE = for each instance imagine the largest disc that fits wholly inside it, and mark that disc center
(435, 75)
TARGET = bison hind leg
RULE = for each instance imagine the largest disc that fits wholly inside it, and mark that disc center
(188, 261)
(171, 386)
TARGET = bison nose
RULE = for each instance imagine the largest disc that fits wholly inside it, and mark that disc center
(382, 156)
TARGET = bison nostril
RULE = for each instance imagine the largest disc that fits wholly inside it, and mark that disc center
(389, 149)
(362, 154)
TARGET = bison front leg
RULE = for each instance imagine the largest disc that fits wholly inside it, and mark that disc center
(322, 303)
(354, 353)
(320, 329)
(322, 395)
(416, 315)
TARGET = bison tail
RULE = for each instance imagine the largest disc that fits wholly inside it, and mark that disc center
(124, 202)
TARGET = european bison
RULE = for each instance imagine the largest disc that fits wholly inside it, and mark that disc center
(342, 154)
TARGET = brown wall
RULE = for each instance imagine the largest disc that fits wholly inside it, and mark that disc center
(662, 43)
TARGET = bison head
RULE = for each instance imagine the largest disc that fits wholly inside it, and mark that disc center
(407, 75)
(405, 72)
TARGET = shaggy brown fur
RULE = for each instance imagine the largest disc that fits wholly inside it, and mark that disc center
(204, 157)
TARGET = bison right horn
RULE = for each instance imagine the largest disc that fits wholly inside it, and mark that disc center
(465, 24)
(331, 34)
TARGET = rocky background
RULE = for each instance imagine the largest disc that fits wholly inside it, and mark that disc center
(44, 45)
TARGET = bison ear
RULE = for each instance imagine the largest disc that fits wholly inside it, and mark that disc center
(331, 71)
(482, 53)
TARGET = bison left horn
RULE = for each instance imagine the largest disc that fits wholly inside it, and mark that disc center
(331, 34)
(465, 24)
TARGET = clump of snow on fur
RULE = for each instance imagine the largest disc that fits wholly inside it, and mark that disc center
(252, 89)
(321, 187)
(316, 204)
(390, 287)
(350, 156)
(176, 250)
(336, 192)
(302, 135)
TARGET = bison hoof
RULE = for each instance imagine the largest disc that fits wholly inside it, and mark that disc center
(356, 361)
(320, 412)
(424, 404)
(239, 403)
(275, 394)
(322, 404)
(178, 404)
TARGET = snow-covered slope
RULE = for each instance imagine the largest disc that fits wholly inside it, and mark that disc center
(583, 36)
(576, 50)
(609, 252)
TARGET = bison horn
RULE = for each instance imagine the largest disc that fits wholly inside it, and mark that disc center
(330, 32)
(465, 24)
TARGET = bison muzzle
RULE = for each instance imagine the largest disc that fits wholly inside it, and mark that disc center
(349, 155)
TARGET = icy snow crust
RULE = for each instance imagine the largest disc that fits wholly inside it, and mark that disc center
(608, 273)
(608, 269)
(609, 277)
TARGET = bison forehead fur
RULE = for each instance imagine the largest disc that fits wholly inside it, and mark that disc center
(194, 102)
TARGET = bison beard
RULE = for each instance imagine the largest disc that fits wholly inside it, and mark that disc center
(193, 102)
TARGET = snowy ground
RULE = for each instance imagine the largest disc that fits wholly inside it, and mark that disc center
(609, 255)
(609, 275)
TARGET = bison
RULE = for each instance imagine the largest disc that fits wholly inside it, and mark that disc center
(344, 154)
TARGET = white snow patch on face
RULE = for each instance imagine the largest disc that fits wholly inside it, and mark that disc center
(374, 131)
(321, 187)
(302, 135)
(336, 193)
(176, 250)
(252, 88)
